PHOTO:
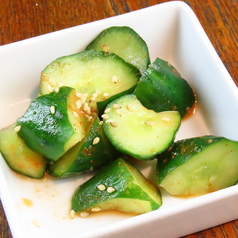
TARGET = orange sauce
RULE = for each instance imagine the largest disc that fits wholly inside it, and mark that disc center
(191, 111)
(27, 202)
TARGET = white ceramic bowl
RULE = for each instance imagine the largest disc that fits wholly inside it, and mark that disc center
(172, 33)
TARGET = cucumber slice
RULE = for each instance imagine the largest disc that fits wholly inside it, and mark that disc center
(119, 186)
(97, 74)
(136, 131)
(198, 165)
(93, 152)
(161, 88)
(101, 106)
(126, 43)
(18, 156)
(53, 124)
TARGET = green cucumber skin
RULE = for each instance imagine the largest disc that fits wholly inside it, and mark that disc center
(44, 132)
(89, 71)
(86, 156)
(119, 174)
(19, 157)
(184, 150)
(161, 88)
(126, 43)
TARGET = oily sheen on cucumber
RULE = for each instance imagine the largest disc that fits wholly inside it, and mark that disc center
(125, 42)
(97, 74)
(119, 186)
(18, 156)
(199, 165)
(93, 152)
(52, 124)
(161, 88)
(136, 131)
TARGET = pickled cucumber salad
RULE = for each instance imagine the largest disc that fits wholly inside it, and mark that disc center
(105, 107)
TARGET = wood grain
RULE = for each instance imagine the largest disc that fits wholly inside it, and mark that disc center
(23, 19)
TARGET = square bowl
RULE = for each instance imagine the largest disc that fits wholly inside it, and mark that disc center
(40, 208)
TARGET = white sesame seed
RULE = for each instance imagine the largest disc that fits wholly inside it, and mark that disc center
(50, 89)
(72, 214)
(92, 99)
(52, 109)
(84, 214)
(17, 128)
(78, 103)
(101, 122)
(116, 106)
(101, 187)
(107, 110)
(96, 140)
(86, 108)
(90, 118)
(111, 189)
(56, 89)
(94, 95)
(114, 124)
(75, 114)
(96, 209)
(78, 95)
(150, 123)
(105, 116)
(36, 222)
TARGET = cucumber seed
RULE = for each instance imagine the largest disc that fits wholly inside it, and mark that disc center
(150, 123)
(114, 79)
(116, 106)
(114, 124)
(107, 110)
(105, 116)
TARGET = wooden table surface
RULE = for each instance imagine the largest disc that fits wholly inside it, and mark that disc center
(23, 19)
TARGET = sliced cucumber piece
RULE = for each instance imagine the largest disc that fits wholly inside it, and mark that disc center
(119, 186)
(93, 152)
(18, 156)
(198, 166)
(101, 106)
(126, 43)
(136, 131)
(99, 75)
(161, 88)
(53, 124)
